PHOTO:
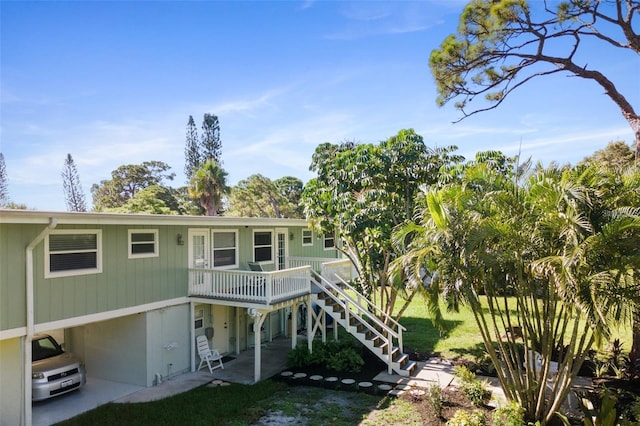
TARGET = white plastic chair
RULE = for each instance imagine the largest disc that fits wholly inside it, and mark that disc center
(208, 356)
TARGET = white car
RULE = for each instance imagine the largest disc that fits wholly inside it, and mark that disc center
(54, 371)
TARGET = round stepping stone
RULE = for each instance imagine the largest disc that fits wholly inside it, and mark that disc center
(331, 379)
(403, 387)
(348, 382)
(396, 392)
(316, 377)
(225, 384)
(365, 386)
(216, 382)
(384, 388)
(286, 374)
(299, 375)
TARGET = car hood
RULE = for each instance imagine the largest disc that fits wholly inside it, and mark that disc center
(66, 359)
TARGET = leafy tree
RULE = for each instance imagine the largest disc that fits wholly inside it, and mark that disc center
(259, 196)
(209, 184)
(210, 145)
(154, 199)
(502, 44)
(361, 193)
(570, 266)
(126, 181)
(291, 188)
(192, 156)
(616, 155)
(4, 186)
(73, 194)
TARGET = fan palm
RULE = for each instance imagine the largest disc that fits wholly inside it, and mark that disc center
(208, 185)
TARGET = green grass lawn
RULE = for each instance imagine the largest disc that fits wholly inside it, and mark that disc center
(462, 337)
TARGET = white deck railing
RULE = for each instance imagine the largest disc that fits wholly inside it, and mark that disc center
(248, 286)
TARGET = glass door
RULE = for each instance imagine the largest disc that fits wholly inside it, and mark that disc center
(199, 255)
(281, 248)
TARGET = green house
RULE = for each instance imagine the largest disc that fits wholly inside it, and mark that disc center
(131, 293)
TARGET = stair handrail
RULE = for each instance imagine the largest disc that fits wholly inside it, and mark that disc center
(324, 282)
(371, 304)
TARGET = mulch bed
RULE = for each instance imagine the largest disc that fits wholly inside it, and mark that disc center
(453, 400)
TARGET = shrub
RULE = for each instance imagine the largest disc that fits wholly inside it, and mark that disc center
(340, 356)
(511, 414)
(434, 399)
(299, 357)
(346, 360)
(466, 418)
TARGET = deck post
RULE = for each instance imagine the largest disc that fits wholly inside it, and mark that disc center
(258, 320)
(294, 325)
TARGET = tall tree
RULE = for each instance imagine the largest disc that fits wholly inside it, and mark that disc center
(154, 199)
(568, 265)
(192, 156)
(361, 193)
(616, 155)
(503, 44)
(291, 188)
(210, 145)
(4, 186)
(209, 185)
(259, 196)
(73, 194)
(126, 181)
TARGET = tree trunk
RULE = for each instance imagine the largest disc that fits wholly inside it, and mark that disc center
(634, 355)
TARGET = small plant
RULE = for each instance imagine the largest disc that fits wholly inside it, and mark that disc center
(434, 399)
(606, 414)
(463, 374)
(476, 391)
(466, 418)
(511, 414)
(471, 387)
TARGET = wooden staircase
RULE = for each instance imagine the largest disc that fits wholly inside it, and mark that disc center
(354, 314)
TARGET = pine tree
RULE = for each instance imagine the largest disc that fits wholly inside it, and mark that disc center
(192, 156)
(211, 146)
(4, 187)
(73, 194)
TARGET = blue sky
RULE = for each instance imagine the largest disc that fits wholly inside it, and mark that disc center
(114, 83)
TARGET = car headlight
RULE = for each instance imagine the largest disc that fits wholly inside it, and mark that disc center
(37, 376)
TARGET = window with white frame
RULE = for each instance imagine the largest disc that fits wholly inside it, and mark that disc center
(307, 237)
(73, 252)
(329, 242)
(262, 246)
(143, 243)
(225, 249)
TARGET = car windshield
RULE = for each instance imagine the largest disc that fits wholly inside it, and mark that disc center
(44, 347)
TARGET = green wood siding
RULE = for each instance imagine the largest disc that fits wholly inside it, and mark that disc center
(123, 282)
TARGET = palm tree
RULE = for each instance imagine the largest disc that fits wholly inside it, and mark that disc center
(544, 259)
(208, 185)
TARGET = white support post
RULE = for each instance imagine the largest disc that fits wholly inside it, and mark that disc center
(309, 325)
(258, 320)
(294, 325)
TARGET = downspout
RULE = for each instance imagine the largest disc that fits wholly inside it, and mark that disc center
(53, 222)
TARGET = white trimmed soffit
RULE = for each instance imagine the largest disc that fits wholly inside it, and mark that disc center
(75, 218)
